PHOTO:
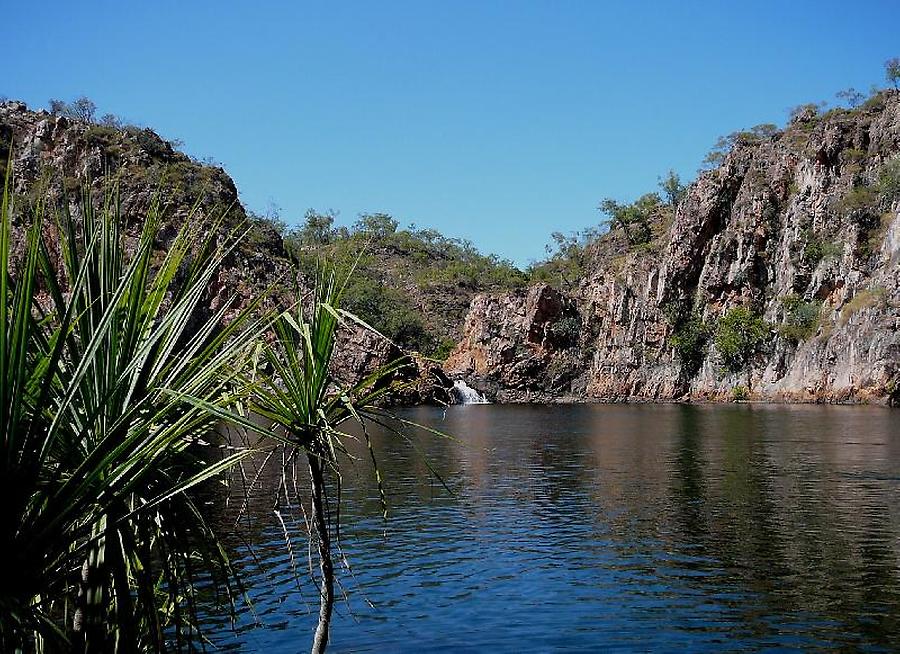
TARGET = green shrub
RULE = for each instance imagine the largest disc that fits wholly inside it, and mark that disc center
(892, 71)
(71, 185)
(858, 199)
(632, 219)
(875, 234)
(801, 318)
(874, 198)
(875, 102)
(740, 334)
(376, 225)
(893, 391)
(852, 161)
(566, 258)
(853, 155)
(151, 143)
(805, 116)
(888, 184)
(689, 340)
(101, 135)
(672, 188)
(740, 393)
(751, 136)
(565, 332)
(443, 350)
(817, 250)
(387, 310)
(262, 233)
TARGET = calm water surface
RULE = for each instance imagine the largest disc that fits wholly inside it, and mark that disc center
(599, 528)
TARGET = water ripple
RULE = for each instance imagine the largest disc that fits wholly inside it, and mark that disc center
(613, 528)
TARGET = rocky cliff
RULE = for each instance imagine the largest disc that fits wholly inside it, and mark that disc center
(56, 157)
(778, 279)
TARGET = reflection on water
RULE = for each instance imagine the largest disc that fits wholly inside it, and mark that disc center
(595, 527)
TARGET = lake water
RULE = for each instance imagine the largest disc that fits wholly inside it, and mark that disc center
(603, 528)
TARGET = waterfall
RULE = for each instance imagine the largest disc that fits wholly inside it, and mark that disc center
(465, 394)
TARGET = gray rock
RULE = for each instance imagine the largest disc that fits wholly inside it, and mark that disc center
(742, 236)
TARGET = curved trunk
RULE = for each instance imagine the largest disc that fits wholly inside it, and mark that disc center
(326, 567)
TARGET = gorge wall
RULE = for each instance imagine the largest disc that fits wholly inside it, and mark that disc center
(56, 158)
(778, 279)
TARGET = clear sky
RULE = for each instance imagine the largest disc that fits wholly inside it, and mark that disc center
(494, 121)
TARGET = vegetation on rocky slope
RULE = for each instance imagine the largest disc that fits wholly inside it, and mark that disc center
(413, 285)
(625, 227)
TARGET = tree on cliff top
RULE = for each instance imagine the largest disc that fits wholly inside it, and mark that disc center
(632, 219)
(892, 71)
(672, 188)
(81, 108)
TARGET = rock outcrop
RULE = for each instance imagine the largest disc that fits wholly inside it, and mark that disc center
(802, 218)
(55, 157)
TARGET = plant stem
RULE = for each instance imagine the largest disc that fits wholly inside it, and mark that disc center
(326, 567)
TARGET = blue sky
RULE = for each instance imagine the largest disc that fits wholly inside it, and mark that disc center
(494, 121)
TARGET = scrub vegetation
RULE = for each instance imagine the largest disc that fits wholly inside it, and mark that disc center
(739, 335)
(413, 285)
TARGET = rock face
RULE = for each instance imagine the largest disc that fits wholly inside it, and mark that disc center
(54, 156)
(798, 218)
(57, 157)
(512, 340)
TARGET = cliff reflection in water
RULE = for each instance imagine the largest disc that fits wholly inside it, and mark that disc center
(578, 527)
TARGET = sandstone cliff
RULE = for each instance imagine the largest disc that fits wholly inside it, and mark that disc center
(55, 156)
(799, 228)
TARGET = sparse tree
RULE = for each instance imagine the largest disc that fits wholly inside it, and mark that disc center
(567, 255)
(273, 211)
(672, 188)
(110, 120)
(759, 132)
(616, 214)
(317, 229)
(563, 245)
(805, 112)
(851, 96)
(632, 219)
(377, 225)
(58, 107)
(892, 71)
(83, 108)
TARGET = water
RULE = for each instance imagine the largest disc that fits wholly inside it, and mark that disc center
(605, 528)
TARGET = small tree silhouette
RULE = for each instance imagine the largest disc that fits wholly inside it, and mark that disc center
(892, 71)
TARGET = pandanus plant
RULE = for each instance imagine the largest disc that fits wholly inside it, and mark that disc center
(309, 411)
(113, 379)
(111, 375)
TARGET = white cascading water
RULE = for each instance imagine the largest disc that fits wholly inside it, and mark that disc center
(465, 394)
